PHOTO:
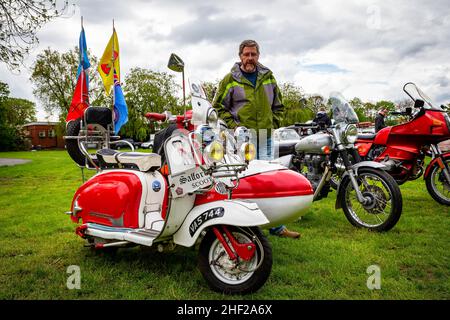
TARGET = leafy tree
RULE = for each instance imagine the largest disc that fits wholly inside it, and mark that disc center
(295, 103)
(358, 106)
(54, 76)
(148, 91)
(210, 89)
(20, 20)
(14, 113)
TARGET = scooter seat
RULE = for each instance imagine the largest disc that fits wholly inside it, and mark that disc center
(367, 136)
(141, 161)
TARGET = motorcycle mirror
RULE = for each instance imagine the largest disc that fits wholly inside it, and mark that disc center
(418, 103)
(175, 63)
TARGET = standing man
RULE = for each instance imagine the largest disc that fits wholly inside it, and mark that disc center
(379, 120)
(249, 96)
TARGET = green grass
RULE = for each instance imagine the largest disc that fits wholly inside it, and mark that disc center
(38, 243)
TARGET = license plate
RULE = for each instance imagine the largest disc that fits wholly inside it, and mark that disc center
(205, 216)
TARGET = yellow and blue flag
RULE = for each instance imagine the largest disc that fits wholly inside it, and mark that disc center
(109, 63)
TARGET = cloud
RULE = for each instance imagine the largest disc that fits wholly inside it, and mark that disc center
(367, 48)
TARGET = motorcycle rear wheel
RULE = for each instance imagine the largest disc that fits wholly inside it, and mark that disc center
(225, 276)
(385, 210)
(437, 185)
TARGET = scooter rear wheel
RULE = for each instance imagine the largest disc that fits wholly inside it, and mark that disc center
(437, 185)
(226, 276)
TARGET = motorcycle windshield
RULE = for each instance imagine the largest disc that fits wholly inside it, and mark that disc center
(342, 110)
(416, 93)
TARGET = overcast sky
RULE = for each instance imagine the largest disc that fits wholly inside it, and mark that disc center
(367, 49)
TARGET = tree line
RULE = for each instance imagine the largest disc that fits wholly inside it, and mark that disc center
(54, 78)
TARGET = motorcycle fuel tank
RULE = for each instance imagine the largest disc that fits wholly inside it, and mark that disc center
(314, 143)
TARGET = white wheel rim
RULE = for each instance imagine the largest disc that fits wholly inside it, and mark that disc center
(224, 270)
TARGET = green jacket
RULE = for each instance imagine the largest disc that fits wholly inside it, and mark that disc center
(239, 103)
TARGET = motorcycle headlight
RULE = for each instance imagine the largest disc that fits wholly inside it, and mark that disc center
(214, 151)
(248, 151)
(350, 134)
(212, 118)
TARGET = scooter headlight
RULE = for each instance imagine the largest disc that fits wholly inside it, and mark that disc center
(248, 151)
(350, 134)
(242, 134)
(212, 118)
(205, 134)
(214, 151)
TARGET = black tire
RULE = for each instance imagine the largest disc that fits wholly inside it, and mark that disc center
(393, 198)
(73, 129)
(432, 188)
(253, 280)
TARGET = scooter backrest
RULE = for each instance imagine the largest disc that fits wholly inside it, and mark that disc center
(98, 115)
(179, 154)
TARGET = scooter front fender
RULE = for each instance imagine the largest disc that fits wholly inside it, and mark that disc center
(356, 167)
(224, 212)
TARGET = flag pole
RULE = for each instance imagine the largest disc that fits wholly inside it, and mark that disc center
(80, 62)
(113, 70)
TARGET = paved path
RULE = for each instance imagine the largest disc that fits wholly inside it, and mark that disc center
(12, 162)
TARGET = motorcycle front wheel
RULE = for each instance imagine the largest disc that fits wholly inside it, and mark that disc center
(437, 185)
(235, 277)
(383, 205)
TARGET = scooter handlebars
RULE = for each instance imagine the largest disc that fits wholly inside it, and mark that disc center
(153, 116)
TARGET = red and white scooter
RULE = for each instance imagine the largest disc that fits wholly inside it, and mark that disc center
(129, 202)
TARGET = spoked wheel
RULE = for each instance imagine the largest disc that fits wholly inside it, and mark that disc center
(437, 184)
(235, 276)
(383, 201)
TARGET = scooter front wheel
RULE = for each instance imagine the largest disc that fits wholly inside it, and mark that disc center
(235, 276)
(437, 185)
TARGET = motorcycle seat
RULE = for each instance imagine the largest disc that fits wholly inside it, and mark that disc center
(367, 136)
(141, 161)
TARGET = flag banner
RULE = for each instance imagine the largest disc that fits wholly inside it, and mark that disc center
(84, 60)
(80, 100)
(105, 67)
(120, 106)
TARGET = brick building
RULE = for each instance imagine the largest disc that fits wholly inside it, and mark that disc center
(43, 135)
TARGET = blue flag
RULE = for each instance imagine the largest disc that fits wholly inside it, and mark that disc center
(84, 60)
(120, 106)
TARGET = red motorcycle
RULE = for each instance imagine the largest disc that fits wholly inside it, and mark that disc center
(403, 148)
